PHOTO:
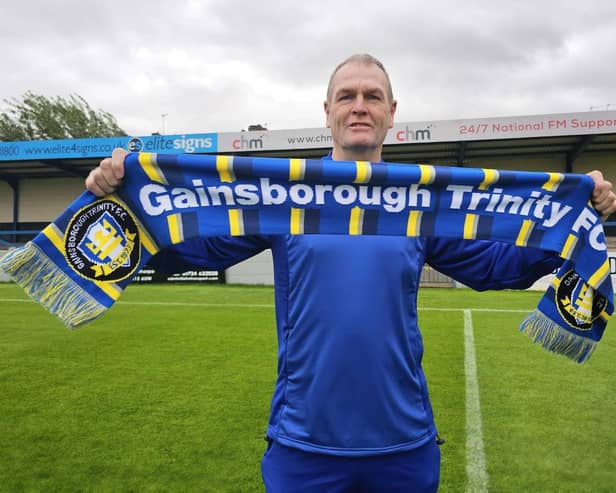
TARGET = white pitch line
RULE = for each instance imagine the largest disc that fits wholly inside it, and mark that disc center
(164, 303)
(185, 303)
(495, 310)
(476, 473)
(253, 305)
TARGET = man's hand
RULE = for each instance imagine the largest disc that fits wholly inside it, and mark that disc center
(107, 177)
(603, 197)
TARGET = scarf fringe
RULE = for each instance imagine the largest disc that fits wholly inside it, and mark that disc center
(542, 330)
(45, 283)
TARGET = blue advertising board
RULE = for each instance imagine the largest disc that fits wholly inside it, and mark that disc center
(30, 150)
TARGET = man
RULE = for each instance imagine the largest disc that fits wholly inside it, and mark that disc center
(350, 410)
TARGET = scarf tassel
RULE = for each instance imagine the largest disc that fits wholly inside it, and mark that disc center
(48, 285)
(543, 330)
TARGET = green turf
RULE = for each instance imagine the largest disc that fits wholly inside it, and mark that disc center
(159, 397)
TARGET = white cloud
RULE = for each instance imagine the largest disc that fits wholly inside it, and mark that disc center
(221, 65)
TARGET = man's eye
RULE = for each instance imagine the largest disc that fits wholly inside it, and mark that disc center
(344, 97)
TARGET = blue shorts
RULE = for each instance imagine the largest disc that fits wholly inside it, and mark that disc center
(287, 469)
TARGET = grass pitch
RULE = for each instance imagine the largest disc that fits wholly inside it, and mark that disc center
(170, 390)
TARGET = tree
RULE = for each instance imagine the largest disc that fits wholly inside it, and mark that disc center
(37, 117)
(258, 126)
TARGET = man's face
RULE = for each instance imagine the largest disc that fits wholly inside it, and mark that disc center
(359, 111)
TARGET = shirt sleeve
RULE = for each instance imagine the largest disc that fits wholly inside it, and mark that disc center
(484, 265)
(216, 253)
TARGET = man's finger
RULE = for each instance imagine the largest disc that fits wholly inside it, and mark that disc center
(93, 186)
(117, 163)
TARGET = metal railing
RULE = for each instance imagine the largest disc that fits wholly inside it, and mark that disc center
(15, 233)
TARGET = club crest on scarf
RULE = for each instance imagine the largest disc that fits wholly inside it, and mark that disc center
(577, 302)
(102, 242)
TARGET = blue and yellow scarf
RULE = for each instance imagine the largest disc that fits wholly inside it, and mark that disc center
(78, 266)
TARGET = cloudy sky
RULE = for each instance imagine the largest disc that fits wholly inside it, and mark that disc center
(220, 65)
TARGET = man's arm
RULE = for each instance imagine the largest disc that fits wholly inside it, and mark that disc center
(484, 265)
(217, 253)
(489, 265)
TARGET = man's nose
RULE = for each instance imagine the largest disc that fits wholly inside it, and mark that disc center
(359, 105)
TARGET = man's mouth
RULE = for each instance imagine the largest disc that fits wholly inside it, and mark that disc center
(360, 125)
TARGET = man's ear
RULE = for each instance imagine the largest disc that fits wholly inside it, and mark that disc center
(392, 112)
(326, 108)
